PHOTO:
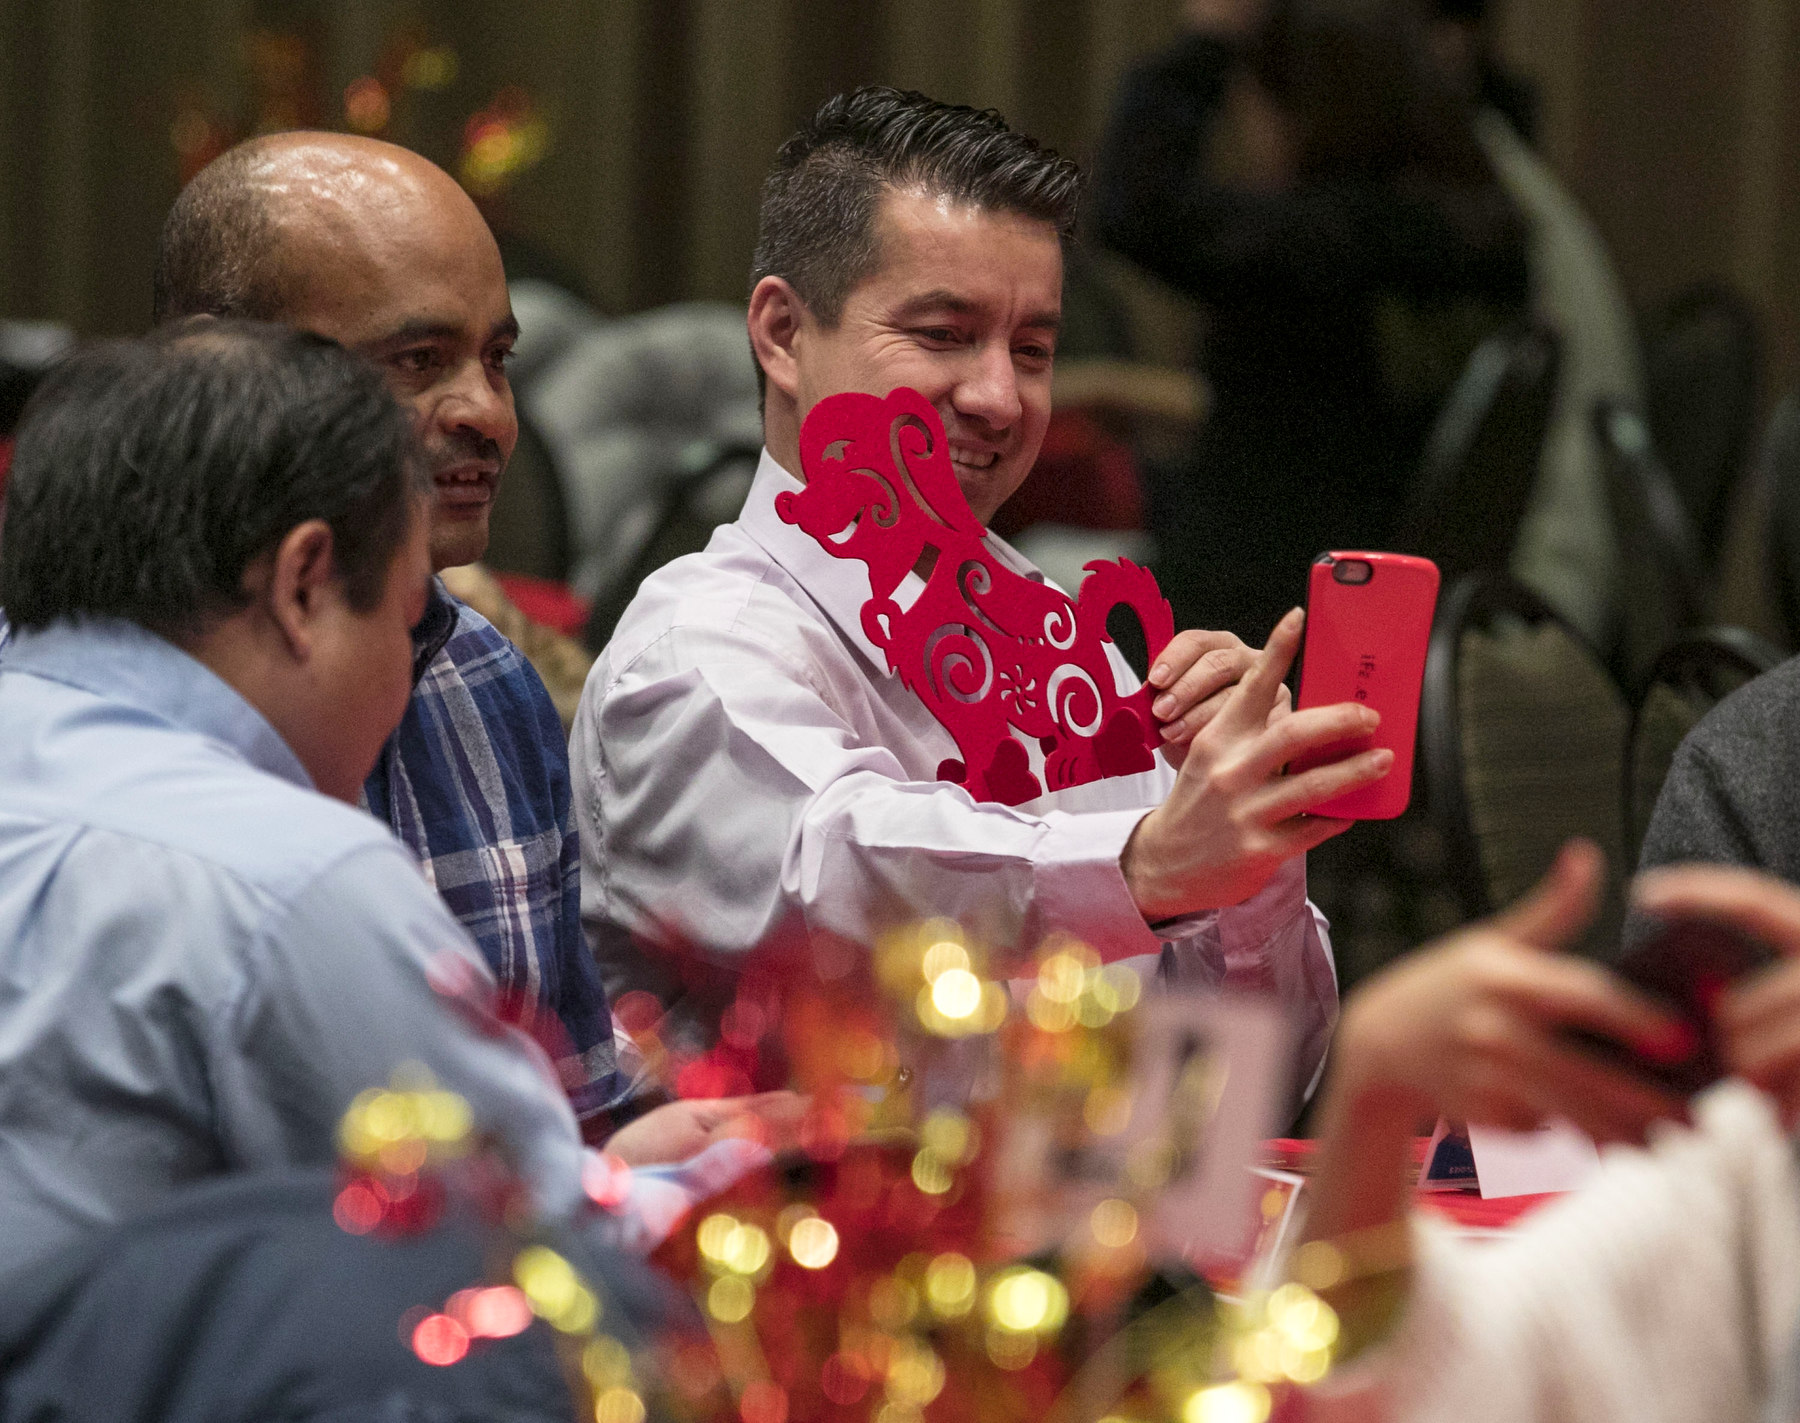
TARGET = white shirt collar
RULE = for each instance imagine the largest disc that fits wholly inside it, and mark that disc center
(840, 586)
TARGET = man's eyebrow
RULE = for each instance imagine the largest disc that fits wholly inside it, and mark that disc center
(945, 300)
(426, 329)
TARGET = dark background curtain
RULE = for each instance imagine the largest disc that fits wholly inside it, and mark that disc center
(1677, 123)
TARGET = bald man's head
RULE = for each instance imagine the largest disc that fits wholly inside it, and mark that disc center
(379, 249)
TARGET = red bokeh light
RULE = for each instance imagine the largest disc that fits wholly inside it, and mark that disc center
(359, 1206)
(606, 1179)
(763, 1402)
(498, 1312)
(440, 1340)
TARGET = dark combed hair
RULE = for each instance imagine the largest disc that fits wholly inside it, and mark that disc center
(150, 474)
(216, 255)
(817, 226)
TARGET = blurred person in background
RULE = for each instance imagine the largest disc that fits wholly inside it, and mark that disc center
(1667, 1287)
(1347, 267)
(375, 247)
(744, 761)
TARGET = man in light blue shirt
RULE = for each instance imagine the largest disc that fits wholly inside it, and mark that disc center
(214, 549)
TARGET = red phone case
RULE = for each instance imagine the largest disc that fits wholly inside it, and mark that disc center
(1366, 642)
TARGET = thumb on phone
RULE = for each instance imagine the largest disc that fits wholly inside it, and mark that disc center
(1562, 903)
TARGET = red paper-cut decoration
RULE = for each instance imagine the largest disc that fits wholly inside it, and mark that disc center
(985, 648)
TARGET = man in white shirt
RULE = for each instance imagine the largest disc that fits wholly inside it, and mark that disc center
(744, 761)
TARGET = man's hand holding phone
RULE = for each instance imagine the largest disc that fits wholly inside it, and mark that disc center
(1234, 816)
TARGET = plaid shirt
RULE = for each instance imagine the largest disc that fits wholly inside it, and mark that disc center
(475, 782)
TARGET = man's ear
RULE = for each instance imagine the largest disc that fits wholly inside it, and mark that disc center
(776, 312)
(300, 577)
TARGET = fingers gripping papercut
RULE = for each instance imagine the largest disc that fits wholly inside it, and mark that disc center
(990, 652)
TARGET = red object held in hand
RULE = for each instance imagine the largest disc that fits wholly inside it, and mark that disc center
(989, 651)
(1368, 626)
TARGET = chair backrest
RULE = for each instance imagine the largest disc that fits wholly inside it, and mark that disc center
(1692, 676)
(1778, 481)
(1700, 388)
(711, 490)
(1481, 460)
(1523, 731)
(1661, 588)
(528, 527)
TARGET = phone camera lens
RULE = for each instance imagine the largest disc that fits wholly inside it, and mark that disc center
(1353, 570)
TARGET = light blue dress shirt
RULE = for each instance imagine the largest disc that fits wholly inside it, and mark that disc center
(202, 960)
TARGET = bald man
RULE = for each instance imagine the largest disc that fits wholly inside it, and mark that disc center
(379, 249)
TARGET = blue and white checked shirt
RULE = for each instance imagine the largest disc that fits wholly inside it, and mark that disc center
(475, 782)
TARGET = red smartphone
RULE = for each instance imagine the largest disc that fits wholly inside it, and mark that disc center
(1368, 624)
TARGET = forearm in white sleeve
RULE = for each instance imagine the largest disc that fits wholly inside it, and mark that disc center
(722, 793)
(1666, 1289)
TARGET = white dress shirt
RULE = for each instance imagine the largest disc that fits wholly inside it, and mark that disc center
(744, 761)
(1665, 1290)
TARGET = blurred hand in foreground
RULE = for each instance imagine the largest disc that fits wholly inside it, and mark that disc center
(1758, 1018)
(1470, 1026)
(679, 1130)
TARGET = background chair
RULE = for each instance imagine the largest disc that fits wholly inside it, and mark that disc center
(715, 479)
(528, 528)
(1693, 675)
(1523, 733)
(1701, 358)
(1661, 584)
(1481, 461)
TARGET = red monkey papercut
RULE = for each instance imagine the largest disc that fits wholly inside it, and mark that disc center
(985, 648)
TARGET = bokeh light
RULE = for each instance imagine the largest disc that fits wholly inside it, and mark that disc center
(730, 1298)
(813, 1243)
(439, 1340)
(1114, 1223)
(950, 1284)
(1236, 1402)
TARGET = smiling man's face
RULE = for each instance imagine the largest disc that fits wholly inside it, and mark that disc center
(963, 306)
(382, 252)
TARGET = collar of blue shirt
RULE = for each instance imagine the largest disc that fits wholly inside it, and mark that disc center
(122, 662)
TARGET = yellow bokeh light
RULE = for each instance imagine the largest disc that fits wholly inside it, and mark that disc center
(950, 1284)
(915, 1374)
(1118, 988)
(1303, 1319)
(606, 1362)
(813, 1243)
(942, 957)
(548, 1280)
(1114, 1223)
(1009, 1350)
(956, 993)
(747, 1249)
(1237, 1402)
(730, 1299)
(1047, 1013)
(949, 1134)
(790, 1217)
(1107, 1110)
(429, 68)
(893, 1303)
(930, 1173)
(713, 1234)
(1060, 977)
(618, 1405)
(1028, 1301)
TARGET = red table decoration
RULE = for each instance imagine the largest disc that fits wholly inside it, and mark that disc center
(988, 650)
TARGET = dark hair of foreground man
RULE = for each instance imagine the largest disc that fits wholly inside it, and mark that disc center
(150, 475)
